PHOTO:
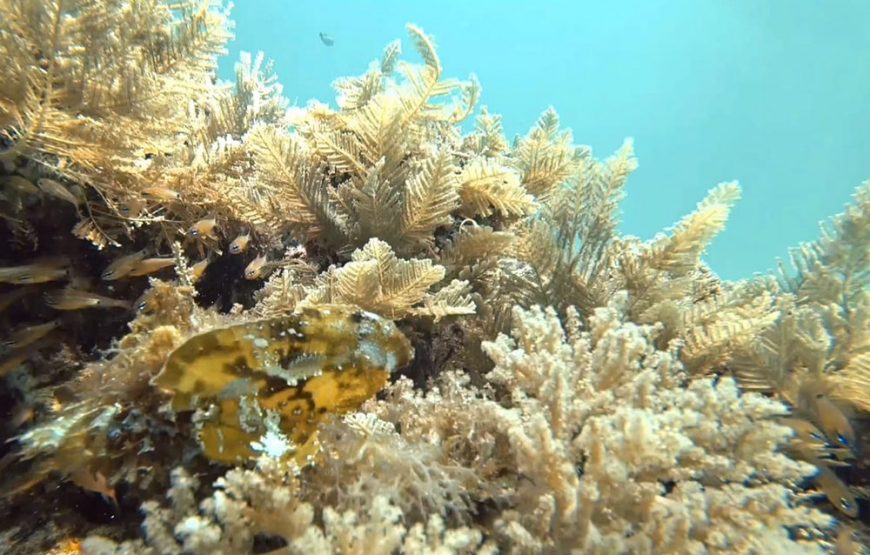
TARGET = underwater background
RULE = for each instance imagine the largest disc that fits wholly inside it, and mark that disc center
(407, 288)
(773, 94)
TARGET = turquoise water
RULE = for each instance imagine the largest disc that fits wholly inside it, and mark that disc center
(773, 93)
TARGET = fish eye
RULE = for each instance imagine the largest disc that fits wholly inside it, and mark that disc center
(842, 439)
(845, 504)
(194, 232)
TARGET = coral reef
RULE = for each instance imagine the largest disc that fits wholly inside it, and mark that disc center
(236, 326)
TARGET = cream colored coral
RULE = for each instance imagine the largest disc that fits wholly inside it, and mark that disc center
(266, 500)
(583, 440)
(595, 441)
(650, 447)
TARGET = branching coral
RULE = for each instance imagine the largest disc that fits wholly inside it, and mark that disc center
(263, 504)
(61, 98)
(610, 449)
(376, 280)
(600, 442)
(93, 112)
(833, 282)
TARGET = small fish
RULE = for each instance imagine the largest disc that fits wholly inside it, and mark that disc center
(16, 359)
(13, 202)
(122, 266)
(131, 208)
(847, 543)
(30, 334)
(55, 189)
(804, 430)
(22, 485)
(326, 39)
(836, 491)
(198, 269)
(240, 244)
(145, 302)
(11, 296)
(78, 192)
(41, 271)
(161, 193)
(204, 228)
(150, 265)
(255, 269)
(96, 482)
(834, 422)
(20, 185)
(20, 416)
(8, 459)
(75, 299)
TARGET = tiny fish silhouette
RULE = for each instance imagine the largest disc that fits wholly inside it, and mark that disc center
(326, 39)
(240, 243)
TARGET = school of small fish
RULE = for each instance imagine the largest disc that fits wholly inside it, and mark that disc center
(23, 279)
(824, 436)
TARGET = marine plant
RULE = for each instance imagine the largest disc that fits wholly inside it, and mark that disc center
(245, 327)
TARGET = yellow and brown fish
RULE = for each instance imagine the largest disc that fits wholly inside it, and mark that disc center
(297, 368)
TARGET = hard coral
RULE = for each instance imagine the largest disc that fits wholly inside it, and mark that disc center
(605, 443)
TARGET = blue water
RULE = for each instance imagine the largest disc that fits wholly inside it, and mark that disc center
(774, 93)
